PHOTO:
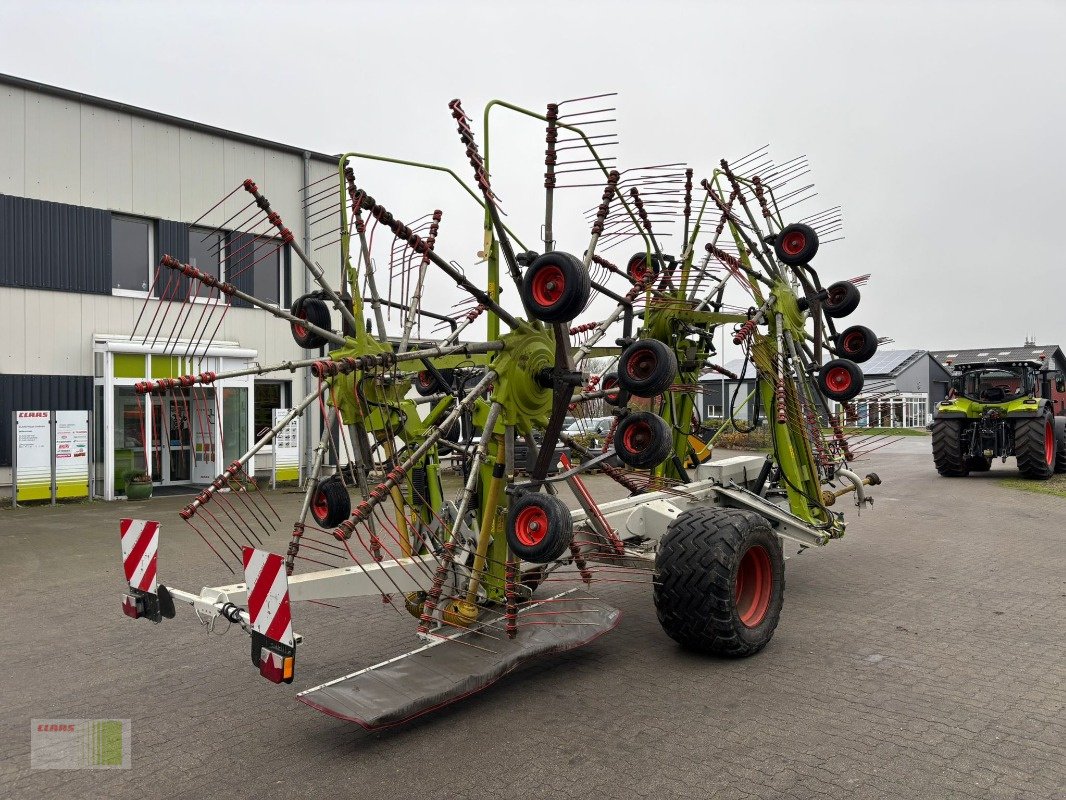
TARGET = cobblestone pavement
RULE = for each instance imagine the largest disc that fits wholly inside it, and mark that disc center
(919, 657)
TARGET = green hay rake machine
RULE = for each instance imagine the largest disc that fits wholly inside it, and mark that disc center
(474, 568)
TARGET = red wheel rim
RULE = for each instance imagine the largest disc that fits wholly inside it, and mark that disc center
(425, 380)
(854, 342)
(637, 437)
(547, 286)
(1049, 444)
(320, 506)
(298, 329)
(838, 379)
(609, 384)
(793, 243)
(755, 584)
(642, 363)
(638, 269)
(531, 526)
(836, 296)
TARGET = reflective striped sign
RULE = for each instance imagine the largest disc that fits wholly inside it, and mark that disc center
(140, 542)
(268, 595)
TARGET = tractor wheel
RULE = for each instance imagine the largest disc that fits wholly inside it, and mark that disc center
(539, 528)
(1060, 454)
(610, 381)
(947, 449)
(642, 440)
(647, 368)
(840, 379)
(857, 343)
(721, 581)
(978, 464)
(317, 313)
(796, 244)
(842, 299)
(556, 287)
(331, 504)
(637, 267)
(1035, 446)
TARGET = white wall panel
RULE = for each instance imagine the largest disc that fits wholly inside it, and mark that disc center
(12, 140)
(156, 170)
(242, 161)
(203, 178)
(106, 159)
(53, 149)
(13, 355)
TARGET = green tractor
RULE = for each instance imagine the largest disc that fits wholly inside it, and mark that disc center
(997, 410)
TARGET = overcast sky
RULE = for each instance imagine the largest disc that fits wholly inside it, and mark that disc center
(938, 126)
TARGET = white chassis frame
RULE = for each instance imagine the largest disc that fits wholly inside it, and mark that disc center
(641, 521)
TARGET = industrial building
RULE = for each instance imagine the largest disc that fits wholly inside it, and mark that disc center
(92, 194)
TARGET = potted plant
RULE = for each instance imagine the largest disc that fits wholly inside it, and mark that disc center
(138, 484)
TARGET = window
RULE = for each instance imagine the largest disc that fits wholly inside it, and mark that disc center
(257, 265)
(205, 253)
(131, 255)
(266, 275)
(269, 395)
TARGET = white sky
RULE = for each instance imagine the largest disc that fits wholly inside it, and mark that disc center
(938, 126)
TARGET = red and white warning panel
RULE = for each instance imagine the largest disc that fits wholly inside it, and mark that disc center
(140, 547)
(140, 544)
(273, 644)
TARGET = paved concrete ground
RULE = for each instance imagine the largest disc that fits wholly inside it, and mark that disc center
(919, 657)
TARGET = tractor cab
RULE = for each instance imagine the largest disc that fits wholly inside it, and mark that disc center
(996, 383)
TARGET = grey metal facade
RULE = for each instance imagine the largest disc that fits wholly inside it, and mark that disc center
(39, 393)
(56, 246)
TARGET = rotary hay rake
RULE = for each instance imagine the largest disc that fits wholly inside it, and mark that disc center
(476, 571)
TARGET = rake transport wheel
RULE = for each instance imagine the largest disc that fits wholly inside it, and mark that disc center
(637, 267)
(556, 287)
(314, 311)
(721, 581)
(642, 440)
(840, 379)
(1034, 446)
(539, 528)
(947, 449)
(426, 383)
(857, 343)
(331, 504)
(610, 381)
(647, 368)
(841, 299)
(796, 244)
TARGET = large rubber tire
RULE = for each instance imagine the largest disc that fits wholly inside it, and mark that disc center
(556, 287)
(857, 343)
(842, 298)
(317, 313)
(840, 379)
(1035, 445)
(539, 528)
(721, 581)
(647, 368)
(331, 503)
(1060, 454)
(796, 244)
(947, 448)
(642, 440)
